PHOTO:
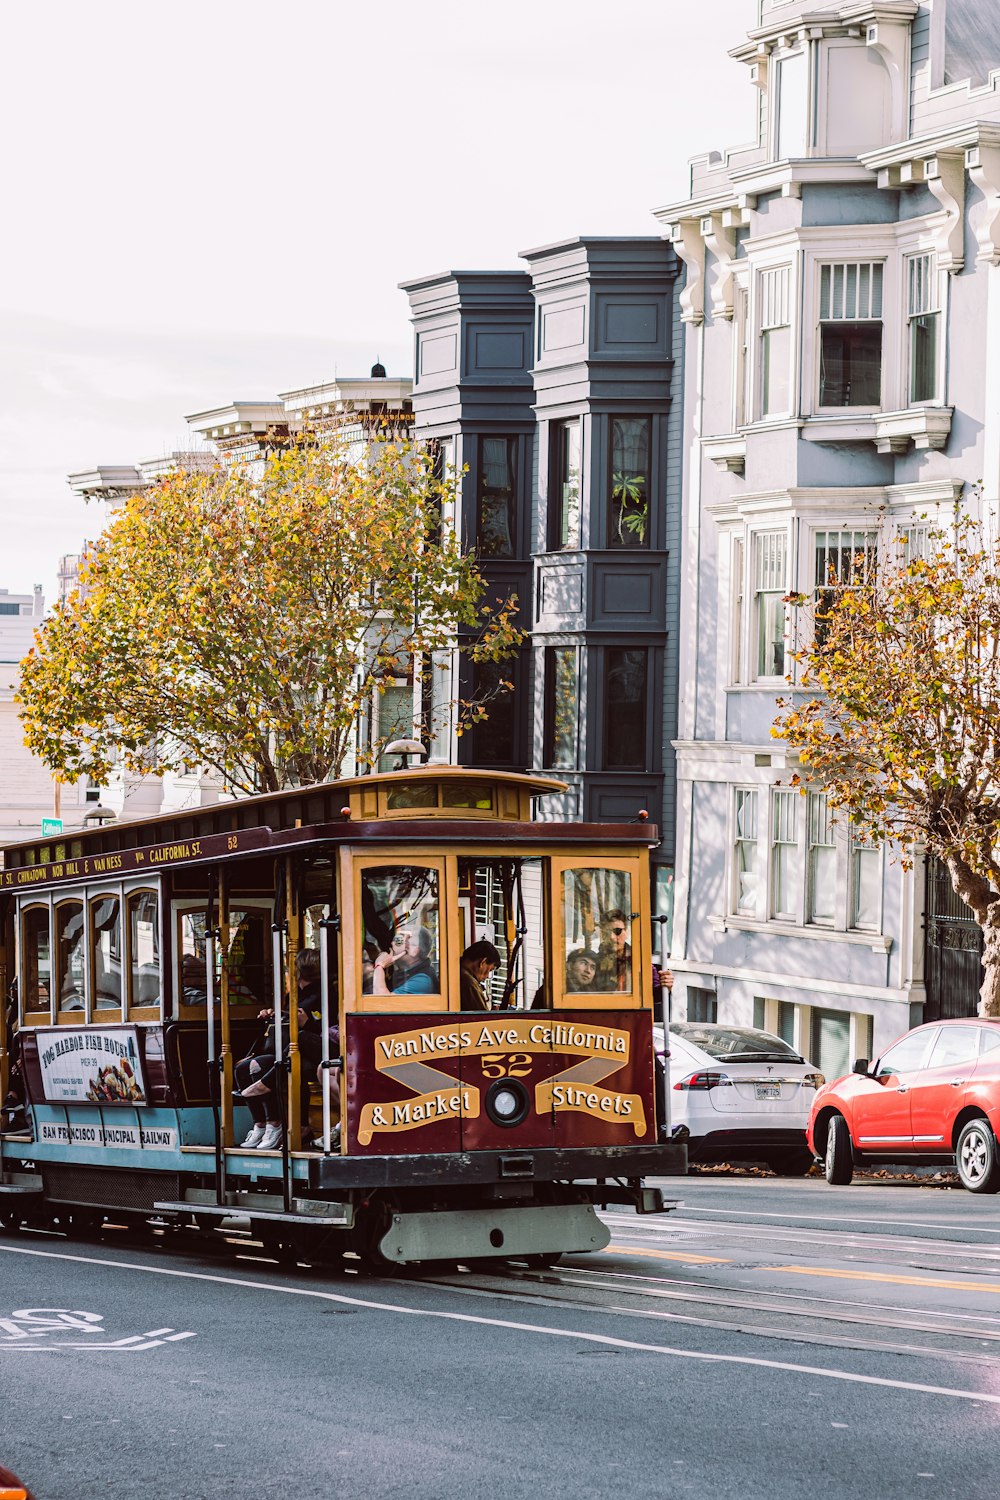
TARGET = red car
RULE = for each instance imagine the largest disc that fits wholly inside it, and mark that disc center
(933, 1098)
(11, 1487)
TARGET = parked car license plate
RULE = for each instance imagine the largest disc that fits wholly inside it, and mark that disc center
(767, 1090)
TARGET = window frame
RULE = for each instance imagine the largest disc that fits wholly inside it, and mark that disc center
(845, 265)
(621, 545)
(779, 534)
(933, 284)
(558, 467)
(784, 820)
(550, 706)
(108, 1013)
(607, 712)
(775, 297)
(448, 997)
(642, 958)
(513, 459)
(737, 841)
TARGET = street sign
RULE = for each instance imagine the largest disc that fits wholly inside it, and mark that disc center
(51, 826)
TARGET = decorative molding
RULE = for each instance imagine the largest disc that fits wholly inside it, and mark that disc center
(727, 451)
(983, 163)
(875, 941)
(891, 40)
(685, 236)
(944, 174)
(923, 426)
(718, 230)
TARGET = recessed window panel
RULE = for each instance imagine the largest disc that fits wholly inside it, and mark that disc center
(496, 497)
(625, 694)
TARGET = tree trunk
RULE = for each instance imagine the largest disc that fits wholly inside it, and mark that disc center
(989, 994)
(984, 903)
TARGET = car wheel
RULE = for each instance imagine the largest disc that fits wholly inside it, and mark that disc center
(791, 1163)
(838, 1164)
(976, 1157)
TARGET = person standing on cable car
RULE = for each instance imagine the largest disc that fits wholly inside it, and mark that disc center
(255, 1075)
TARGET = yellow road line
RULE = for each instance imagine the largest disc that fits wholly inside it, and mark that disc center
(955, 1286)
(708, 1260)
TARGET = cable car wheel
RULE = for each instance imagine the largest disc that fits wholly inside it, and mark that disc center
(372, 1224)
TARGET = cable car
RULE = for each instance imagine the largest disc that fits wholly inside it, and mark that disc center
(390, 1016)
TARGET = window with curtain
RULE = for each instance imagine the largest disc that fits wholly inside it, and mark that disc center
(770, 588)
(496, 497)
(746, 851)
(630, 482)
(850, 329)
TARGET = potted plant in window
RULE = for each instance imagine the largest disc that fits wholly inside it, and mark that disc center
(628, 491)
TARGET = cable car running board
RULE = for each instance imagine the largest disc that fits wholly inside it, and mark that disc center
(268, 1206)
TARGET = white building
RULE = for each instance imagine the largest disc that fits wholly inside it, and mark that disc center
(842, 358)
(28, 792)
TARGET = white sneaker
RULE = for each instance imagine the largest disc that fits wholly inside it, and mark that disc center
(271, 1139)
(254, 1139)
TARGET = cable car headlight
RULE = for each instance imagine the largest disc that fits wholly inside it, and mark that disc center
(507, 1102)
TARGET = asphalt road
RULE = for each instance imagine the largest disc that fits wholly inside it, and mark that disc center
(767, 1339)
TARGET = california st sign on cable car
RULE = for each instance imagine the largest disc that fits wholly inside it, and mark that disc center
(390, 1015)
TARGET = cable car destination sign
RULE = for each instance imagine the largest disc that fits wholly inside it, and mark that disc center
(128, 861)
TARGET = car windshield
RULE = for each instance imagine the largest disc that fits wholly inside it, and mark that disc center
(736, 1043)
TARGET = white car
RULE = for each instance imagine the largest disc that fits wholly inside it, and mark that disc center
(743, 1094)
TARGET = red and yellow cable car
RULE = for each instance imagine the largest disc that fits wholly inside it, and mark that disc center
(391, 1016)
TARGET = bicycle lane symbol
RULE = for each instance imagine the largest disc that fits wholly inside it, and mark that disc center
(47, 1329)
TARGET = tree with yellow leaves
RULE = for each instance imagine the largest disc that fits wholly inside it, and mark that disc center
(904, 732)
(246, 617)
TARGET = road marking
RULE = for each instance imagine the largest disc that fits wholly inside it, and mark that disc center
(604, 1340)
(697, 1208)
(954, 1286)
(708, 1260)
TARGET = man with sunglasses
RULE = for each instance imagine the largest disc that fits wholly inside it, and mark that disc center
(614, 957)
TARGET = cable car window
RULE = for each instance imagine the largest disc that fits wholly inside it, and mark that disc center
(36, 961)
(249, 959)
(191, 957)
(70, 982)
(144, 949)
(106, 953)
(401, 914)
(597, 930)
(477, 794)
(405, 795)
(502, 902)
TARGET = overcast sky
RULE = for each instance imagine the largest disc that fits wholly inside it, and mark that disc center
(214, 200)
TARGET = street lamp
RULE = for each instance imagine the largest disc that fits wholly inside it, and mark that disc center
(99, 815)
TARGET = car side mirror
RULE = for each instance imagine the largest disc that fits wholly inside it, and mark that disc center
(862, 1066)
